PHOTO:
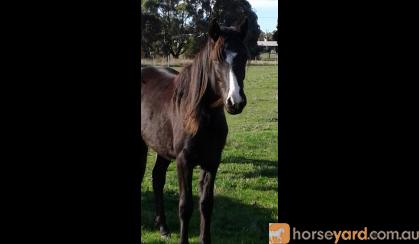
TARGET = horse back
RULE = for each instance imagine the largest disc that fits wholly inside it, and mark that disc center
(159, 75)
(157, 83)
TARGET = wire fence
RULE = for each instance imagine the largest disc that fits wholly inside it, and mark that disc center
(264, 59)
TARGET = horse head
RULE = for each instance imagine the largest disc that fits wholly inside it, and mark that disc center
(229, 56)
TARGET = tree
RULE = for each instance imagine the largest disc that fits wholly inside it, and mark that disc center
(227, 12)
(150, 28)
(178, 26)
(276, 33)
(200, 12)
(266, 35)
(165, 26)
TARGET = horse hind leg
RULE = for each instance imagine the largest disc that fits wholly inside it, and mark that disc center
(143, 159)
(159, 179)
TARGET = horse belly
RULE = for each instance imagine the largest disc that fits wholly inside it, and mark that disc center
(157, 134)
(156, 127)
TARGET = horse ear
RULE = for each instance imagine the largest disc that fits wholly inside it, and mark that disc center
(214, 30)
(243, 28)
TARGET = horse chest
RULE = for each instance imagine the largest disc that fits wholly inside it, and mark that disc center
(211, 139)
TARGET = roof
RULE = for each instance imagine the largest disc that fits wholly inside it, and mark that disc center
(268, 43)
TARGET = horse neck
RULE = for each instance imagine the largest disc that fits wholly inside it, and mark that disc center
(193, 90)
(196, 80)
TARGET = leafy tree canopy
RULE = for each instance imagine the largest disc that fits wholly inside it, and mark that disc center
(180, 26)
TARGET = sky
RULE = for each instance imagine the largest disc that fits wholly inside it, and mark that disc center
(267, 12)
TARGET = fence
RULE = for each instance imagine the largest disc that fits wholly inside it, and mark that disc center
(264, 59)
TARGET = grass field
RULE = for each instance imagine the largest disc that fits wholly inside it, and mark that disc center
(246, 185)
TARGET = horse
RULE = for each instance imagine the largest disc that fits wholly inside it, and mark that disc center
(183, 119)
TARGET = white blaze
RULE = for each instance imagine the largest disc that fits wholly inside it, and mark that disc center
(234, 88)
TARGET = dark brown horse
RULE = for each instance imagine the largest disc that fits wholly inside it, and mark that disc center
(182, 118)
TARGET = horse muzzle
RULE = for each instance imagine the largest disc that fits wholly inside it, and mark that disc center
(235, 108)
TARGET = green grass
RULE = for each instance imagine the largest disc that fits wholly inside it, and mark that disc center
(246, 195)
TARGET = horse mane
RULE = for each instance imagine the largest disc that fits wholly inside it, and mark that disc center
(192, 83)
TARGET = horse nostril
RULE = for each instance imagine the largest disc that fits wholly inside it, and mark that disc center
(240, 106)
(229, 103)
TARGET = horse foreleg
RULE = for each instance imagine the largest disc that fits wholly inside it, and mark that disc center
(159, 179)
(206, 203)
(184, 171)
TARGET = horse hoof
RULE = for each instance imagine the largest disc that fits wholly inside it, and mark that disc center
(165, 236)
(165, 233)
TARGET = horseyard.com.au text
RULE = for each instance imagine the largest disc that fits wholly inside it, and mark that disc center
(346, 235)
(282, 233)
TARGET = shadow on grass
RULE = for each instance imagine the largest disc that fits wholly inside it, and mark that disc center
(232, 221)
(265, 168)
